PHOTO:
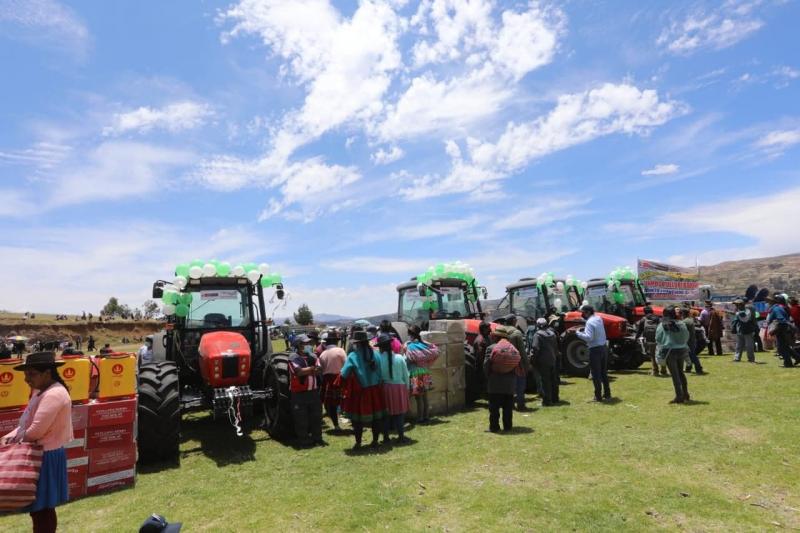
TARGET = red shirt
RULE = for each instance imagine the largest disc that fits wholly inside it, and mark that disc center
(794, 312)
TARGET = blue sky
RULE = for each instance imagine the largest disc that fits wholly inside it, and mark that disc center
(352, 144)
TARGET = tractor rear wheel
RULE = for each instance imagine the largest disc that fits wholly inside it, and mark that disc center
(159, 412)
(575, 357)
(277, 409)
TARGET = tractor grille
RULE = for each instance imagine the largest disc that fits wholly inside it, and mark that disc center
(230, 367)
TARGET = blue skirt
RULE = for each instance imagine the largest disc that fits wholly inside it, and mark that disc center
(52, 489)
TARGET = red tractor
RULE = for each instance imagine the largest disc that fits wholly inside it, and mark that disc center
(623, 298)
(532, 298)
(216, 354)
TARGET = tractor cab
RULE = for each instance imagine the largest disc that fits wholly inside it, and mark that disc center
(530, 299)
(624, 298)
(441, 299)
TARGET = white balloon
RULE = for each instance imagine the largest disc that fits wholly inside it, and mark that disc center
(560, 286)
(238, 271)
(585, 302)
(180, 282)
(263, 268)
(584, 284)
(195, 272)
(209, 270)
(558, 303)
(168, 309)
(253, 276)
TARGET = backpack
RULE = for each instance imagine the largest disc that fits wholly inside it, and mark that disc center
(505, 358)
(650, 327)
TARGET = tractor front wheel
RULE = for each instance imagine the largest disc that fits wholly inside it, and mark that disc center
(277, 409)
(159, 412)
(575, 357)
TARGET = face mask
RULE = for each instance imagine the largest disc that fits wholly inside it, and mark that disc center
(307, 349)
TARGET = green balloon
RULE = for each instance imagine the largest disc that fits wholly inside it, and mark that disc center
(223, 269)
(185, 298)
(249, 266)
(169, 298)
(197, 263)
(181, 310)
(182, 270)
(619, 297)
(266, 281)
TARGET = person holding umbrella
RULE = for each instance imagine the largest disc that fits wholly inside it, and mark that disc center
(46, 421)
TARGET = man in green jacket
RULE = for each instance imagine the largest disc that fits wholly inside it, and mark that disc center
(672, 338)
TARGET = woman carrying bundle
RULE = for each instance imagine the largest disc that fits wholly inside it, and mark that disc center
(419, 356)
(362, 393)
(46, 421)
(500, 365)
(394, 374)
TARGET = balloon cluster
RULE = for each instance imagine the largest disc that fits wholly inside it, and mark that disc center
(446, 271)
(546, 279)
(177, 303)
(615, 280)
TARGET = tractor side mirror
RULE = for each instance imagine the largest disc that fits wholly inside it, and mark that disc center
(279, 292)
(484, 293)
(158, 289)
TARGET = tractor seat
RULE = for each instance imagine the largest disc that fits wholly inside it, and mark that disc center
(215, 319)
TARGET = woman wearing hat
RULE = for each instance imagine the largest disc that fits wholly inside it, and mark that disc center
(46, 421)
(363, 394)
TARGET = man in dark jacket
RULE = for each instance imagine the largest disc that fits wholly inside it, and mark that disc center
(544, 357)
(500, 386)
(688, 319)
(646, 330)
(743, 325)
(517, 338)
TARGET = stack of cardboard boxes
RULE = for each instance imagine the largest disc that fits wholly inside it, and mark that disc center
(449, 384)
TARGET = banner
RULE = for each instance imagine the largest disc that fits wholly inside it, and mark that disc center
(668, 282)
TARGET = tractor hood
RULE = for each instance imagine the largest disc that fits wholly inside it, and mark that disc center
(616, 327)
(224, 358)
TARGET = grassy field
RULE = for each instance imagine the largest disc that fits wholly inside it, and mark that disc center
(726, 462)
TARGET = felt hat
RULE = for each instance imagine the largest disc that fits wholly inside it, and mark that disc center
(158, 524)
(360, 336)
(40, 361)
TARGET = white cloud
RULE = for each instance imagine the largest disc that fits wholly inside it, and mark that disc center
(546, 211)
(577, 118)
(384, 157)
(173, 117)
(776, 142)
(661, 170)
(344, 64)
(15, 203)
(78, 267)
(379, 265)
(43, 155)
(765, 222)
(716, 28)
(114, 170)
(47, 20)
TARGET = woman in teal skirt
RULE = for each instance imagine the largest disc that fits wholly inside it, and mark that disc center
(47, 421)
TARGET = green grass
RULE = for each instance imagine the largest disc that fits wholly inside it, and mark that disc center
(727, 462)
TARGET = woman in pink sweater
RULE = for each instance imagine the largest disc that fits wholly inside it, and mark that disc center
(47, 421)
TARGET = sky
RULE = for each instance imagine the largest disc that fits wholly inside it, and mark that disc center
(350, 145)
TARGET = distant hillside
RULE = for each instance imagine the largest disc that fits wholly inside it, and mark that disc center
(780, 273)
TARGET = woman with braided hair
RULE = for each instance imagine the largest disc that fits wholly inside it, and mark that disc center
(394, 374)
(362, 392)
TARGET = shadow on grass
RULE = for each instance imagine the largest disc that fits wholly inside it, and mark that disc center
(695, 402)
(611, 401)
(160, 466)
(516, 430)
(218, 441)
(369, 450)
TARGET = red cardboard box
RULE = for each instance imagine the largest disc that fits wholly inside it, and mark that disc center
(110, 480)
(80, 416)
(112, 459)
(112, 413)
(9, 418)
(108, 436)
(77, 446)
(76, 479)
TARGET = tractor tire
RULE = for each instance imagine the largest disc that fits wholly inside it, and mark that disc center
(575, 357)
(159, 412)
(277, 409)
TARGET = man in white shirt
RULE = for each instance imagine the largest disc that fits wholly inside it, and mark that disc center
(594, 334)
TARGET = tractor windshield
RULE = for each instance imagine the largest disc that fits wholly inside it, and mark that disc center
(453, 303)
(596, 295)
(633, 296)
(411, 310)
(219, 308)
(527, 302)
(563, 300)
